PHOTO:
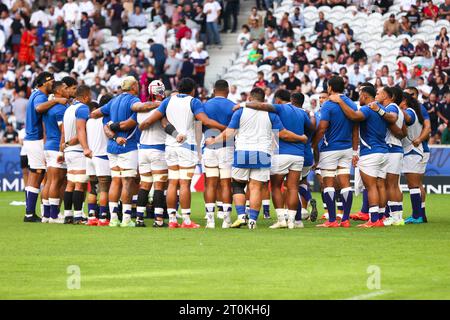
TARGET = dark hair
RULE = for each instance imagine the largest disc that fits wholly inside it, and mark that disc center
(366, 84)
(82, 91)
(336, 84)
(416, 92)
(221, 85)
(56, 85)
(413, 104)
(105, 99)
(186, 85)
(43, 77)
(258, 94)
(297, 98)
(69, 81)
(397, 94)
(282, 94)
(92, 105)
(370, 90)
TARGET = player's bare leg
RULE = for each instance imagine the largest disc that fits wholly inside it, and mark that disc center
(256, 193)
(211, 184)
(276, 183)
(114, 196)
(292, 199)
(186, 174)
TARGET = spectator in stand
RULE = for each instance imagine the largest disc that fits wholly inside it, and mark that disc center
(444, 10)
(421, 48)
(292, 83)
(269, 54)
(256, 31)
(297, 20)
(440, 87)
(137, 19)
(391, 26)
(358, 53)
(442, 38)
(115, 14)
(233, 94)
(405, 27)
(260, 81)
(405, 5)
(200, 58)
(244, 37)
(279, 63)
(320, 25)
(28, 42)
(212, 10)
(443, 61)
(255, 54)
(444, 116)
(406, 49)
(414, 17)
(432, 107)
(431, 11)
(231, 10)
(254, 15)
(10, 135)
(306, 85)
(275, 82)
(172, 69)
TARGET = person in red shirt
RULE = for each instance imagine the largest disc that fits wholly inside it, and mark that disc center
(260, 82)
(182, 30)
(431, 11)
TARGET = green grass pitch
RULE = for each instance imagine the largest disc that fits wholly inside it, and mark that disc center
(413, 261)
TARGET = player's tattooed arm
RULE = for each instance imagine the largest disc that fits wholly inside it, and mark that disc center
(399, 133)
(44, 107)
(255, 105)
(155, 116)
(145, 106)
(123, 125)
(290, 136)
(355, 143)
(208, 122)
(108, 132)
(349, 112)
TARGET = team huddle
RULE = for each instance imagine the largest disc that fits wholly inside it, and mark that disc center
(128, 158)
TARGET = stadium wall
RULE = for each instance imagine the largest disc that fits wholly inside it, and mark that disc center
(437, 176)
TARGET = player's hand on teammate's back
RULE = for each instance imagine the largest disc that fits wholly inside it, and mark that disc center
(60, 158)
(181, 138)
(121, 141)
(237, 107)
(209, 141)
(373, 106)
(61, 100)
(355, 160)
(416, 142)
(87, 153)
(335, 98)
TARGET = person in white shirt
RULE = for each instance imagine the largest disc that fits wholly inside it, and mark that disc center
(137, 19)
(234, 95)
(71, 11)
(212, 10)
(125, 58)
(188, 43)
(40, 15)
(160, 34)
(86, 6)
(311, 52)
(81, 63)
(116, 80)
(5, 22)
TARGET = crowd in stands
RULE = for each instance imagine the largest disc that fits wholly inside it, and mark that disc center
(68, 38)
(304, 65)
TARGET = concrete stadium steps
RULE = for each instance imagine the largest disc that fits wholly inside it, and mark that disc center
(221, 58)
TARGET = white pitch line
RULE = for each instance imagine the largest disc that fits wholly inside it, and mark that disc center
(369, 295)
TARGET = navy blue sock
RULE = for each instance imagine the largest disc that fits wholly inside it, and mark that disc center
(329, 196)
(347, 200)
(304, 191)
(104, 211)
(298, 215)
(33, 194)
(92, 209)
(416, 202)
(365, 204)
(373, 211)
(47, 210)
